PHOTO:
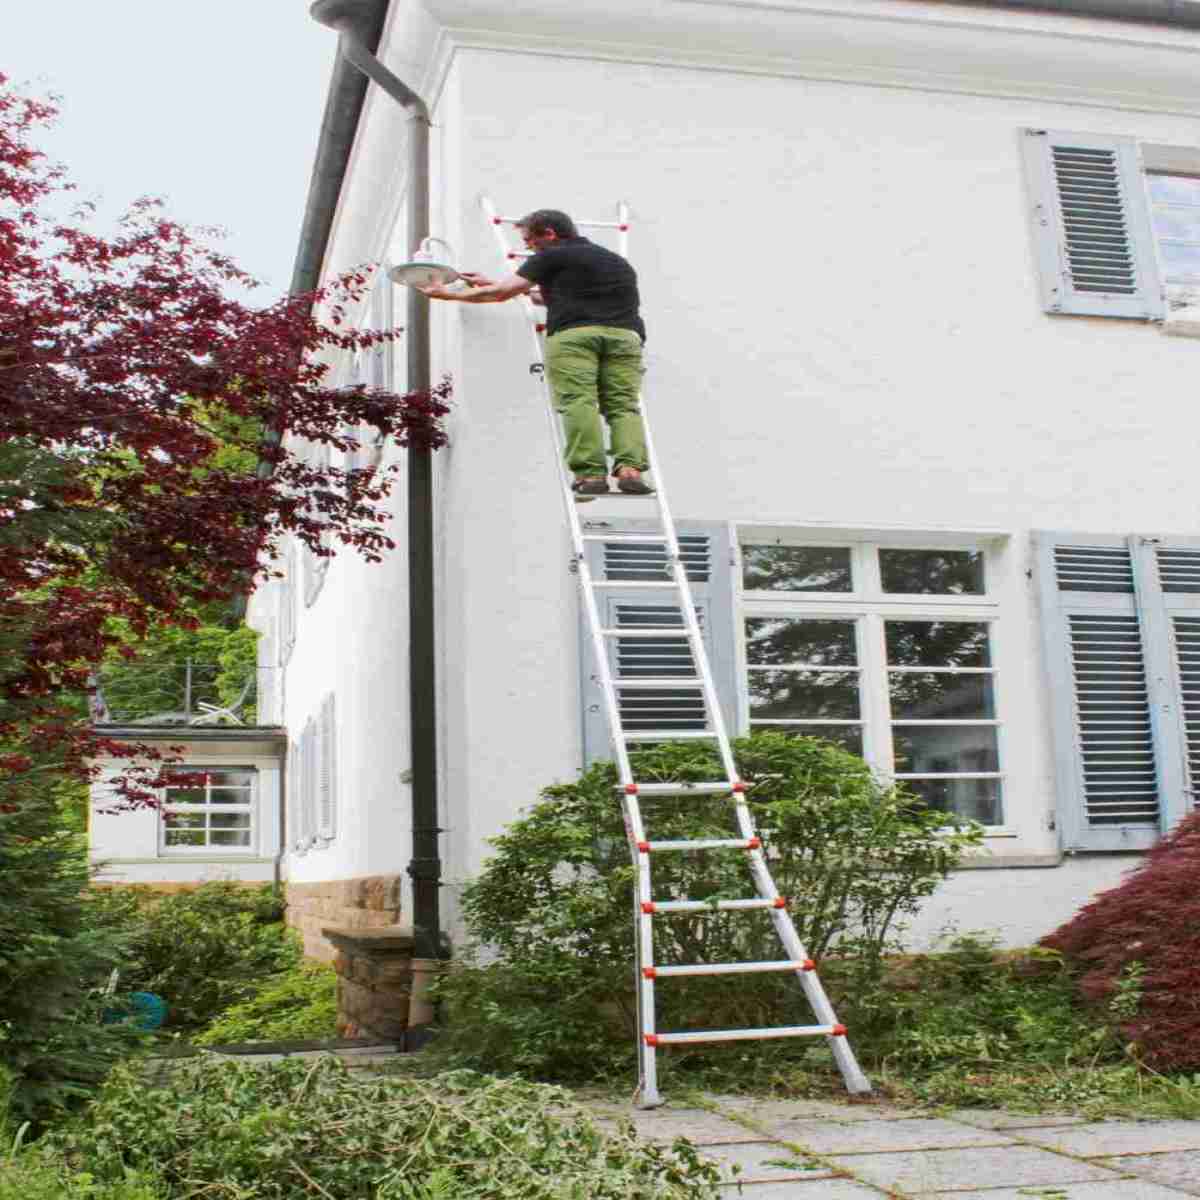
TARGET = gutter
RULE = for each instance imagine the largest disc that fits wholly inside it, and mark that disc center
(359, 24)
(1160, 12)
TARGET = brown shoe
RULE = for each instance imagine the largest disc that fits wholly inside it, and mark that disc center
(630, 481)
(590, 485)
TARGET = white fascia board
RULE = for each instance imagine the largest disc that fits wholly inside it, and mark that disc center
(889, 43)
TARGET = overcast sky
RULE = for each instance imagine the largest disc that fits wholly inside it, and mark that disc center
(214, 106)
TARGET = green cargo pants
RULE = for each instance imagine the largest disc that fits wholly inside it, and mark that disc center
(595, 370)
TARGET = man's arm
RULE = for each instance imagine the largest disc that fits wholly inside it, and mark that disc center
(486, 293)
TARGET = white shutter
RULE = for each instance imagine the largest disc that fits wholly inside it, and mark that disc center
(266, 697)
(1108, 776)
(327, 774)
(1091, 224)
(295, 773)
(315, 565)
(706, 556)
(287, 605)
(308, 785)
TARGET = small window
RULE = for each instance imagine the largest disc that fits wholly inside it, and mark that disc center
(212, 811)
(1175, 215)
(797, 568)
(931, 572)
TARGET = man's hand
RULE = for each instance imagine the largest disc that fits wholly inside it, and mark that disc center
(474, 279)
(436, 291)
(480, 290)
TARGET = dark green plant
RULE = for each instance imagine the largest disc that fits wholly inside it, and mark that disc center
(201, 950)
(300, 1003)
(553, 904)
(297, 1129)
(55, 954)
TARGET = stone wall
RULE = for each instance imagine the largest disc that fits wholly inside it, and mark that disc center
(369, 902)
(374, 970)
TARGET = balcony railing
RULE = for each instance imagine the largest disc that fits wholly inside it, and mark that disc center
(182, 692)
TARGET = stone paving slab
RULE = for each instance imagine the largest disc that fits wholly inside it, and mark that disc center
(760, 1161)
(1105, 1138)
(697, 1125)
(995, 1118)
(1121, 1189)
(804, 1189)
(973, 1167)
(865, 1137)
(1178, 1168)
(786, 1110)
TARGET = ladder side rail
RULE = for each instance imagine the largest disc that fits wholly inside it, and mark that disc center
(644, 959)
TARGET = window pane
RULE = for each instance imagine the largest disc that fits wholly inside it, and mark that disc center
(238, 777)
(950, 748)
(185, 837)
(978, 799)
(1174, 189)
(937, 644)
(230, 837)
(932, 572)
(174, 820)
(1181, 259)
(849, 737)
(831, 694)
(229, 820)
(796, 568)
(185, 796)
(794, 641)
(942, 696)
(229, 796)
(1180, 223)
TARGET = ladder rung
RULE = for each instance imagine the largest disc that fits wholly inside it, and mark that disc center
(682, 789)
(584, 497)
(744, 1035)
(705, 844)
(748, 968)
(647, 631)
(686, 906)
(635, 583)
(667, 735)
(664, 681)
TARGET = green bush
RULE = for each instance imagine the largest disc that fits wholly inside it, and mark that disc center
(296, 1129)
(552, 906)
(203, 950)
(300, 1003)
(55, 952)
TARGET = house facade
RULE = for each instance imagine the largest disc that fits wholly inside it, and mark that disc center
(918, 279)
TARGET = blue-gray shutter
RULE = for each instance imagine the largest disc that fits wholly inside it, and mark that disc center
(1108, 779)
(706, 553)
(1168, 575)
(1091, 222)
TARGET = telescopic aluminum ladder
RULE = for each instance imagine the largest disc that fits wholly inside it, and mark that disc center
(632, 792)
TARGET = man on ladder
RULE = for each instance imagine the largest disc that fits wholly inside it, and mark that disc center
(594, 337)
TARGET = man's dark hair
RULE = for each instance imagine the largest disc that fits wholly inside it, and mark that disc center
(551, 219)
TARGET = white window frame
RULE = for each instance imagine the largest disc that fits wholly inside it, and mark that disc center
(208, 850)
(870, 607)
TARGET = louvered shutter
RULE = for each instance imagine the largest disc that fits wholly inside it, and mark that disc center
(287, 606)
(1168, 575)
(1107, 769)
(1091, 222)
(295, 772)
(316, 565)
(308, 786)
(705, 551)
(327, 774)
(267, 676)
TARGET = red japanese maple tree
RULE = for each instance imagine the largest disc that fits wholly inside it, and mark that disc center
(129, 378)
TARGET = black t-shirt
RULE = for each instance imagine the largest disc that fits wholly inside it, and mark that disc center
(584, 284)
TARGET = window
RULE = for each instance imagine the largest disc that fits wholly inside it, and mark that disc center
(1122, 646)
(312, 792)
(213, 811)
(1175, 215)
(886, 650)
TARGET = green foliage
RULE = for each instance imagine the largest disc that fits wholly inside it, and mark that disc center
(854, 858)
(300, 1003)
(201, 950)
(55, 952)
(296, 1129)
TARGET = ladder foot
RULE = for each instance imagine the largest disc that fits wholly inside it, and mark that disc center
(648, 1098)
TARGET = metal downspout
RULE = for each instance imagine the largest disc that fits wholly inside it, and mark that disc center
(351, 19)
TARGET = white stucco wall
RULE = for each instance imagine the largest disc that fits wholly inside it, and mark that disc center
(831, 230)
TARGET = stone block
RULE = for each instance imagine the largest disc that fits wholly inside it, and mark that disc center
(754, 1162)
(1103, 1138)
(699, 1126)
(1175, 1168)
(1121, 1189)
(816, 1187)
(865, 1137)
(976, 1167)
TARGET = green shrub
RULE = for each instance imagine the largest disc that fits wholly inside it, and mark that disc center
(55, 951)
(300, 1003)
(553, 903)
(201, 950)
(296, 1129)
